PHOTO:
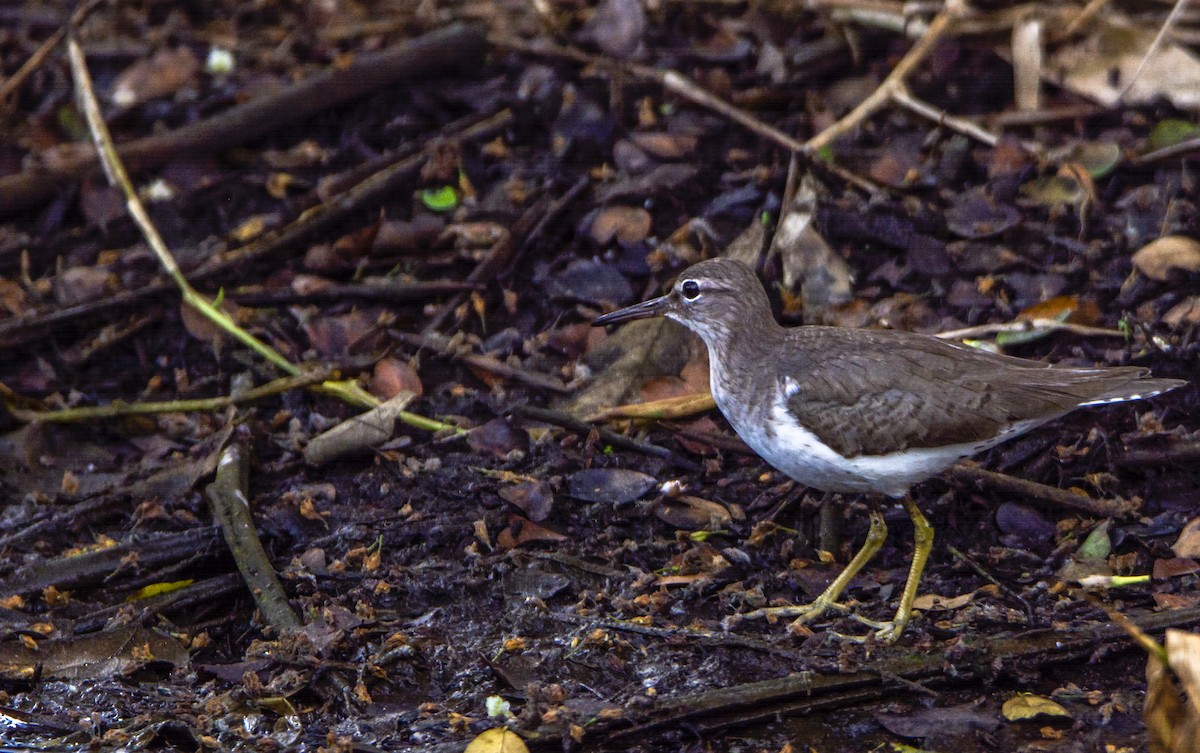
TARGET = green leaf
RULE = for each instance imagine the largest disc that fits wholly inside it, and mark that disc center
(1170, 132)
(440, 199)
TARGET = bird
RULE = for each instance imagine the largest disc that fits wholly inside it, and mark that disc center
(865, 411)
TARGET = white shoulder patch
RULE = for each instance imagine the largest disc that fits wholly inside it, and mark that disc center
(791, 388)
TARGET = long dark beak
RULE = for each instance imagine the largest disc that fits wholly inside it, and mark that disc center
(643, 310)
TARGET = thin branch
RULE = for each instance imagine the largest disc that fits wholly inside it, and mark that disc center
(938, 27)
(346, 390)
(1172, 19)
(231, 508)
(45, 48)
(118, 409)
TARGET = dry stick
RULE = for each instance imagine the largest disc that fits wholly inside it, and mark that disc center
(1183, 453)
(1101, 508)
(43, 51)
(203, 591)
(902, 97)
(1169, 152)
(346, 390)
(723, 708)
(93, 567)
(552, 212)
(473, 127)
(1028, 325)
(496, 260)
(480, 361)
(1172, 18)
(231, 509)
(983, 572)
(109, 335)
(375, 188)
(380, 185)
(457, 45)
(877, 99)
(1003, 120)
(389, 291)
(558, 418)
(683, 86)
(697, 635)
(118, 408)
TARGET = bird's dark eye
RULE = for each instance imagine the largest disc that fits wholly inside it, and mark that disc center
(690, 290)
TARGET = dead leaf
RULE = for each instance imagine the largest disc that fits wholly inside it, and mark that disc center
(1104, 62)
(82, 284)
(116, 651)
(693, 514)
(1185, 313)
(1188, 543)
(392, 376)
(611, 485)
(1174, 567)
(163, 73)
(664, 145)
(617, 28)
(1026, 706)
(1173, 723)
(1158, 258)
(521, 531)
(357, 433)
(935, 602)
(627, 225)
(534, 498)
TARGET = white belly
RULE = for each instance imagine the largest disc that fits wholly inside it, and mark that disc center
(802, 456)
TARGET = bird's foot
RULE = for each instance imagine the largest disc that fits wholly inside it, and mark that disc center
(882, 632)
(800, 614)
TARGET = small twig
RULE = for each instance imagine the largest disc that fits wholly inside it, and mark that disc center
(559, 418)
(480, 361)
(681, 85)
(1101, 508)
(982, 572)
(1169, 152)
(231, 508)
(1081, 19)
(454, 46)
(45, 48)
(118, 409)
(1172, 18)
(390, 291)
(1028, 325)
(557, 207)
(346, 390)
(940, 24)
(708, 637)
(902, 97)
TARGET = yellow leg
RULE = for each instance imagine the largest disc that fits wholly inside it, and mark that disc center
(888, 632)
(829, 597)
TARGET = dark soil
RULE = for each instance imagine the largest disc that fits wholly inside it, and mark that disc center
(436, 571)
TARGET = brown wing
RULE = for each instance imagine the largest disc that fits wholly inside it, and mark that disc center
(877, 393)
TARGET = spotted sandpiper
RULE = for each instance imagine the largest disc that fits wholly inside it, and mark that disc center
(866, 411)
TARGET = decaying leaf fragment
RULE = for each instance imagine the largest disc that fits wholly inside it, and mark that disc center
(1172, 722)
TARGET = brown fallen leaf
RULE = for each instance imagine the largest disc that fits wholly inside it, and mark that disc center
(1158, 258)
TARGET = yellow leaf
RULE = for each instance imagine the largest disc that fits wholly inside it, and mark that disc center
(497, 740)
(157, 589)
(1027, 706)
